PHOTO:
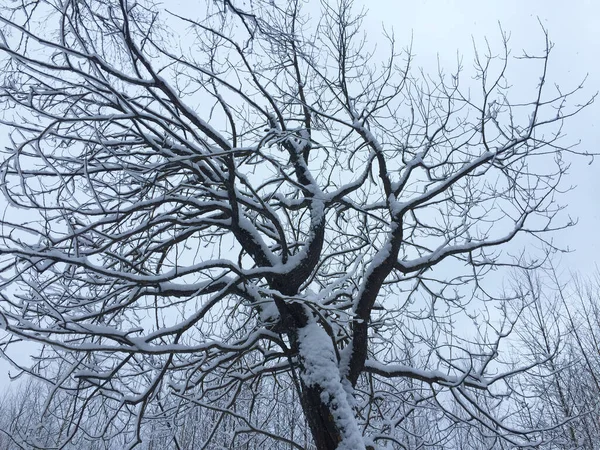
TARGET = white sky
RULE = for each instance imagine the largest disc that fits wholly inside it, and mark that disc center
(447, 27)
(443, 28)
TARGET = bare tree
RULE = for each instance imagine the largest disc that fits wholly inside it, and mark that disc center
(242, 216)
(563, 393)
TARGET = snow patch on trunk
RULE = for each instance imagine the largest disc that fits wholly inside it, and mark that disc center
(321, 370)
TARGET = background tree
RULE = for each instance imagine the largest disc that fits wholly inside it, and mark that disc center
(240, 213)
(563, 393)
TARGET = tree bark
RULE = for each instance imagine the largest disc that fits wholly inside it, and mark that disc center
(323, 428)
(324, 398)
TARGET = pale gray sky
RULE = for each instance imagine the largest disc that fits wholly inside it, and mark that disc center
(446, 27)
(443, 28)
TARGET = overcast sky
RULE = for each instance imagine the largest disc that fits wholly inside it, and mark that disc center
(443, 28)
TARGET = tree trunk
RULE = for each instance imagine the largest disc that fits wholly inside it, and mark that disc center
(330, 416)
(323, 428)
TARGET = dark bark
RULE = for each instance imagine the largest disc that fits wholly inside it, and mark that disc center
(360, 325)
(324, 430)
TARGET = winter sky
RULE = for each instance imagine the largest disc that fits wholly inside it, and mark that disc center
(442, 29)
